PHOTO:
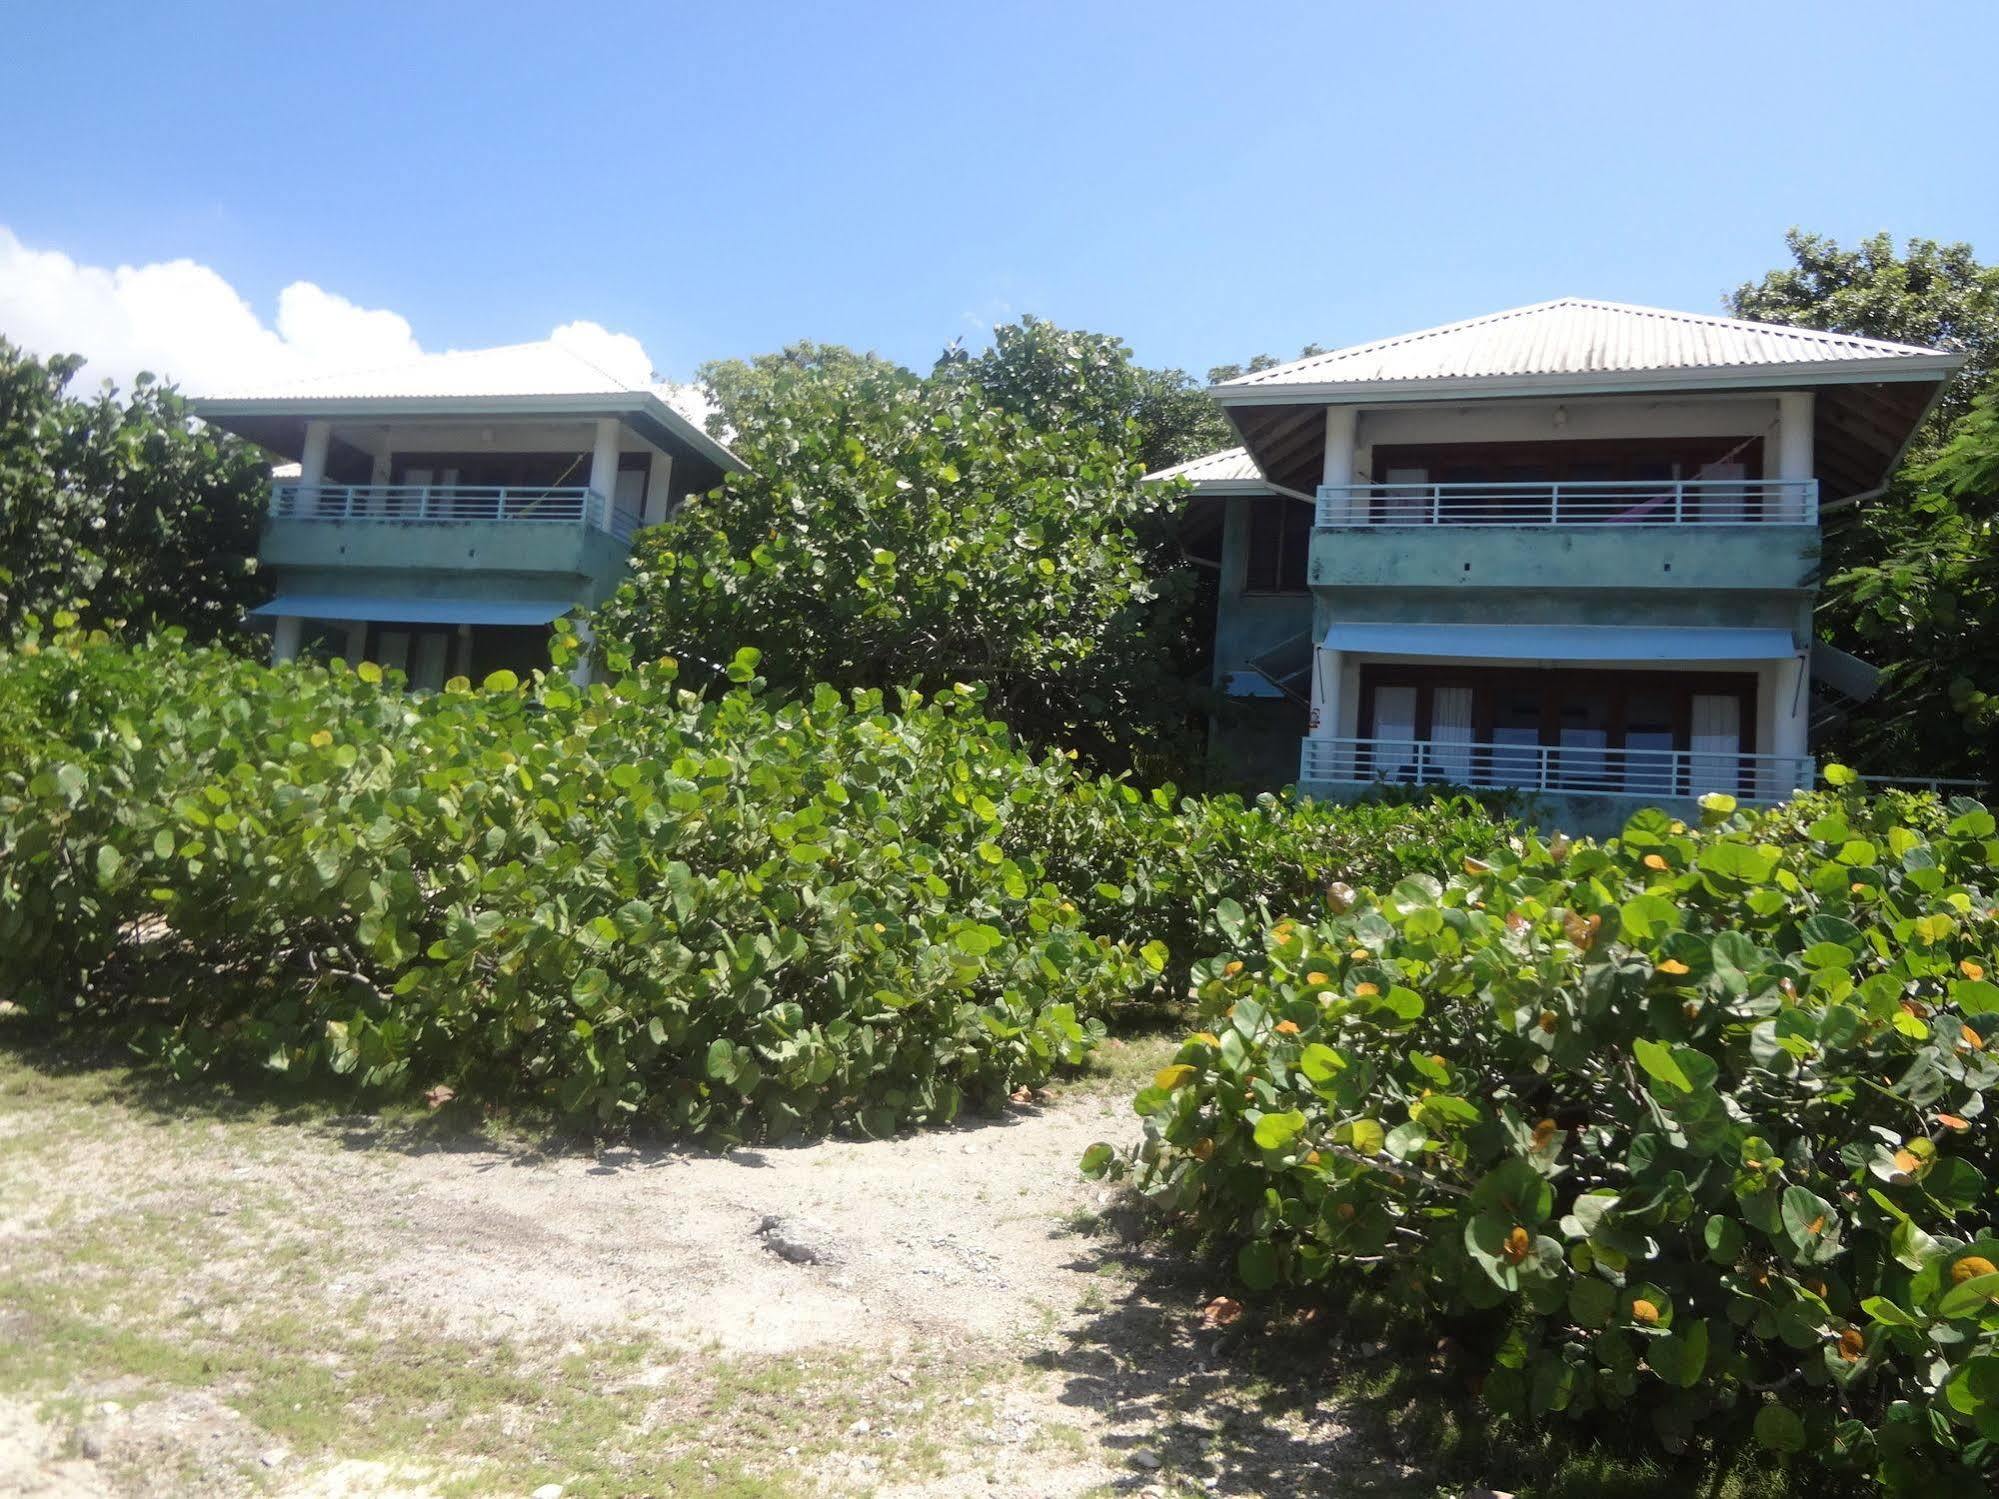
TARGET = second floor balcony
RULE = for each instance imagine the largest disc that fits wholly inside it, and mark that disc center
(1733, 502)
(453, 505)
(481, 528)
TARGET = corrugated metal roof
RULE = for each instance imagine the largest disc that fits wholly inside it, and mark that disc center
(1578, 336)
(1230, 466)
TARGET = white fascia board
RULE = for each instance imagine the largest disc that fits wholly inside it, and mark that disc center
(1609, 382)
(369, 408)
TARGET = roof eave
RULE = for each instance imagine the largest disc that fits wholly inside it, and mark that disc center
(1905, 367)
(362, 408)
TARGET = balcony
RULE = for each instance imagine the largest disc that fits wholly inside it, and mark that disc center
(446, 528)
(452, 504)
(1604, 502)
(1568, 770)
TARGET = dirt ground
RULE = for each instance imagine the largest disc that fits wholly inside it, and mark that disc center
(199, 1297)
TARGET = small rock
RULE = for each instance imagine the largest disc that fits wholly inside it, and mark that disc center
(90, 1442)
(900, 1376)
(795, 1240)
(110, 1407)
(272, 1458)
(860, 1428)
(548, 1491)
(1145, 1459)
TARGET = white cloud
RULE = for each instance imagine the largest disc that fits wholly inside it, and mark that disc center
(185, 323)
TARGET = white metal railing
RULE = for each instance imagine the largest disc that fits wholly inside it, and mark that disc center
(438, 504)
(1584, 502)
(1556, 767)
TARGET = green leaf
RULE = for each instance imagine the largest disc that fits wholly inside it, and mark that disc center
(1779, 1428)
(1970, 1297)
(1256, 1264)
(1275, 1131)
(1097, 1159)
(1657, 1060)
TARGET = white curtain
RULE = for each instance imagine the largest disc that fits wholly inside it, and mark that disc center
(1450, 733)
(1404, 498)
(1716, 741)
(1395, 733)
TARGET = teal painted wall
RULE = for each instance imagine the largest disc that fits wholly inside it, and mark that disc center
(1706, 559)
(1249, 624)
(457, 559)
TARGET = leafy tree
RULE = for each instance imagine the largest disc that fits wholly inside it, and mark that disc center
(1936, 295)
(1054, 375)
(1930, 608)
(124, 504)
(1910, 573)
(891, 528)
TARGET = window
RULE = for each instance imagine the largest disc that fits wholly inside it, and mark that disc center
(1635, 732)
(1280, 545)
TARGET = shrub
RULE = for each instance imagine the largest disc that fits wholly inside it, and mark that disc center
(739, 916)
(732, 917)
(1694, 1124)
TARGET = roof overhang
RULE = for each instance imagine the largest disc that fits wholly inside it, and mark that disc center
(278, 423)
(1606, 643)
(1863, 421)
(404, 609)
(1720, 379)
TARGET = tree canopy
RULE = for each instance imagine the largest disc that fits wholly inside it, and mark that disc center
(123, 504)
(1913, 575)
(985, 523)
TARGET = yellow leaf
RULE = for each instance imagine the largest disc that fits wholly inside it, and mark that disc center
(1672, 965)
(323, 738)
(1169, 1078)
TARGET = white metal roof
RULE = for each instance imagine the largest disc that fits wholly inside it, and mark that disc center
(1578, 337)
(529, 378)
(1231, 466)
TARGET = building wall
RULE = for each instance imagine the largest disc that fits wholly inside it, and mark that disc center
(1247, 625)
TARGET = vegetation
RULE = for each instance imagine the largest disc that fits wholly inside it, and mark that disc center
(122, 504)
(1912, 573)
(735, 916)
(889, 529)
(1695, 1124)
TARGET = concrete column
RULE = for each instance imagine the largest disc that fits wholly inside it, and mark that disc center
(1326, 759)
(285, 638)
(579, 669)
(604, 463)
(1790, 721)
(659, 482)
(1342, 427)
(461, 653)
(1794, 458)
(312, 465)
(357, 641)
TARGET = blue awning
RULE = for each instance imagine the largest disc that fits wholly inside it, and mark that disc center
(401, 609)
(1564, 642)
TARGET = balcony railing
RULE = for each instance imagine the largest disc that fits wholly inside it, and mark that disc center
(1591, 502)
(444, 504)
(1564, 768)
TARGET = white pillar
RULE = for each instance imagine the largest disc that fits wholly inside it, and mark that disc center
(659, 481)
(1790, 722)
(285, 638)
(1323, 760)
(604, 463)
(312, 465)
(1342, 427)
(1794, 447)
(579, 668)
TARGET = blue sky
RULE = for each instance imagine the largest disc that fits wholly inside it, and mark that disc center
(1207, 181)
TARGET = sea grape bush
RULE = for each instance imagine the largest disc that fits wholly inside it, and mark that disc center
(736, 916)
(730, 917)
(1694, 1126)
